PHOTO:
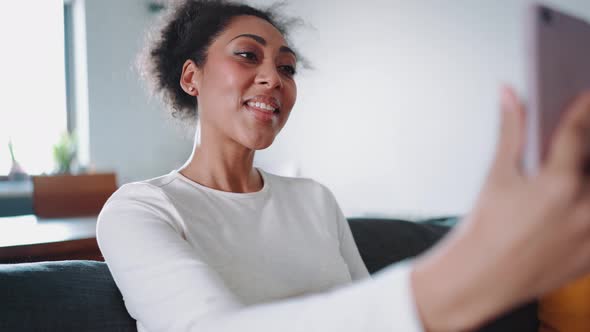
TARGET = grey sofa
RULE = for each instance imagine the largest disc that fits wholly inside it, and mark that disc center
(82, 296)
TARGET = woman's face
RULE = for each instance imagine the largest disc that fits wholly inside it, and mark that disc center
(246, 88)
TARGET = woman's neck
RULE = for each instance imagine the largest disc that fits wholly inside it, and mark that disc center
(229, 169)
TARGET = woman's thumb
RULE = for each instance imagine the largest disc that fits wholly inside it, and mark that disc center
(509, 149)
(569, 146)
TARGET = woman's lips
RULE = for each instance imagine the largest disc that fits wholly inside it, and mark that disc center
(262, 114)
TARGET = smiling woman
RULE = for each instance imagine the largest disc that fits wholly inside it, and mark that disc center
(235, 236)
(219, 245)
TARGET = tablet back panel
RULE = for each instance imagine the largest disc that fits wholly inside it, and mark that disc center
(559, 69)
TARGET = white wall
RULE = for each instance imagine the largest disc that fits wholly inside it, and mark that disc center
(401, 115)
(128, 133)
(398, 118)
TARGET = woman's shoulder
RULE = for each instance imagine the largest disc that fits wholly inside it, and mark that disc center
(151, 188)
(146, 197)
(138, 204)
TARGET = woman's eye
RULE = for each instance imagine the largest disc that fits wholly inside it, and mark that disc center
(289, 70)
(247, 55)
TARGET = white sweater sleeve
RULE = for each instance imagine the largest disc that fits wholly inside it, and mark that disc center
(348, 247)
(168, 287)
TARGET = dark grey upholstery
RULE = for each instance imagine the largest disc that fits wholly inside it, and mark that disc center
(81, 295)
(382, 242)
(61, 296)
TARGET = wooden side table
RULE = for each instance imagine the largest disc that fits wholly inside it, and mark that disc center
(31, 239)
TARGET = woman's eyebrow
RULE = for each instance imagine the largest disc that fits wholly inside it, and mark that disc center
(262, 42)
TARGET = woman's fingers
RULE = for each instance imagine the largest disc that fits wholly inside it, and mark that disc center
(507, 162)
(569, 147)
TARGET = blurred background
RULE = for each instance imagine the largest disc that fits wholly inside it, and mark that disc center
(399, 116)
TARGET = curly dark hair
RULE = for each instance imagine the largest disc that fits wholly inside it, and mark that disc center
(186, 32)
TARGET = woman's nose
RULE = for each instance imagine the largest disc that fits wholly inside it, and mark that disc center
(269, 76)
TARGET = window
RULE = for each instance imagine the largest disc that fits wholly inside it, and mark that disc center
(33, 103)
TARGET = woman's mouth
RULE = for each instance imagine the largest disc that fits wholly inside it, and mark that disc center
(262, 111)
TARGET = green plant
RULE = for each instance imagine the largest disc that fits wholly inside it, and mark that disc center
(64, 153)
(16, 171)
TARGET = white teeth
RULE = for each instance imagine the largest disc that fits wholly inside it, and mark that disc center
(261, 106)
(267, 107)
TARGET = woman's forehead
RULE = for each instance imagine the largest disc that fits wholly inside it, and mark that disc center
(252, 25)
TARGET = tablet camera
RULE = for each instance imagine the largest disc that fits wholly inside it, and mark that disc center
(546, 15)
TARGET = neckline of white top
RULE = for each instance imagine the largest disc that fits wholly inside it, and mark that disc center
(260, 193)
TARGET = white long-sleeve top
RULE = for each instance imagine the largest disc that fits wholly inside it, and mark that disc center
(190, 258)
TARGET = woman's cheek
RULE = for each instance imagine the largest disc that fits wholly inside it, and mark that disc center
(291, 95)
(231, 74)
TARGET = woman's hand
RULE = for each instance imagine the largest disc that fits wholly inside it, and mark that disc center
(526, 235)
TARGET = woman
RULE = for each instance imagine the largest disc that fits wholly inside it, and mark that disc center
(222, 246)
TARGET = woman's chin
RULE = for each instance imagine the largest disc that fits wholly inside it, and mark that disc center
(256, 139)
(262, 145)
(258, 143)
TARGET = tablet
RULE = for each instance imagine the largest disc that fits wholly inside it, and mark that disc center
(558, 69)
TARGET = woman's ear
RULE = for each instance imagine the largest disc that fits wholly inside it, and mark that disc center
(189, 78)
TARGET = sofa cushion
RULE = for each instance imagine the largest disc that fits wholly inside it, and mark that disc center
(382, 242)
(61, 296)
